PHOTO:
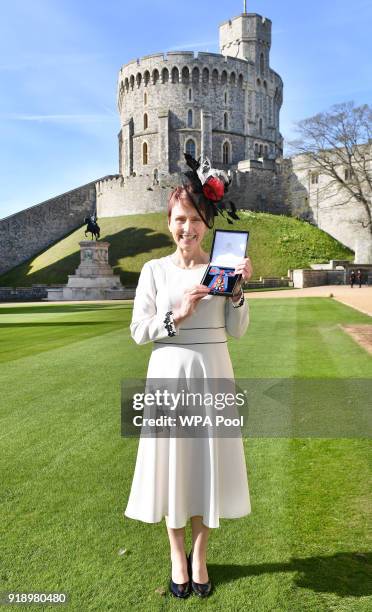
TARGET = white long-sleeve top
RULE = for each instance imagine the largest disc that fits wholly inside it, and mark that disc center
(160, 289)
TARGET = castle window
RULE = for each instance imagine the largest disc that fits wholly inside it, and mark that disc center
(126, 84)
(190, 95)
(146, 77)
(190, 147)
(189, 118)
(165, 75)
(175, 75)
(205, 75)
(258, 82)
(226, 153)
(155, 76)
(145, 157)
(314, 178)
(145, 98)
(261, 150)
(145, 121)
(262, 63)
(240, 80)
(225, 121)
(215, 76)
(131, 81)
(232, 78)
(260, 126)
(256, 149)
(185, 75)
(139, 79)
(265, 85)
(348, 173)
(223, 77)
(225, 97)
(195, 75)
(266, 150)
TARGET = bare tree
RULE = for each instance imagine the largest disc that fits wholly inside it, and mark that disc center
(338, 144)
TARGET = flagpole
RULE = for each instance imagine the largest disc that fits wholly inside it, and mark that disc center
(245, 7)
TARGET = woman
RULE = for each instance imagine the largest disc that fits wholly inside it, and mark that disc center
(183, 478)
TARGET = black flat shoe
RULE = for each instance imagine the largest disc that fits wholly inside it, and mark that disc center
(182, 590)
(200, 589)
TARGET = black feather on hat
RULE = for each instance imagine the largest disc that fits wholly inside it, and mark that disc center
(209, 185)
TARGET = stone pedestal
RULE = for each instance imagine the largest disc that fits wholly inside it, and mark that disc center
(94, 278)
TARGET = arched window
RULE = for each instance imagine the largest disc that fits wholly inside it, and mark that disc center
(225, 97)
(260, 126)
(165, 75)
(139, 79)
(189, 118)
(195, 75)
(215, 76)
(261, 147)
(146, 77)
(205, 76)
(262, 63)
(225, 121)
(126, 83)
(175, 75)
(240, 80)
(131, 81)
(190, 95)
(145, 98)
(226, 153)
(145, 121)
(145, 154)
(256, 149)
(185, 74)
(190, 147)
(155, 76)
(266, 150)
(223, 77)
(232, 78)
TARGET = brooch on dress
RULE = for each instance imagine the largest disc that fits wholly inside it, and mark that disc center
(169, 323)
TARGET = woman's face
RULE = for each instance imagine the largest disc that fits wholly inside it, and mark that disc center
(186, 227)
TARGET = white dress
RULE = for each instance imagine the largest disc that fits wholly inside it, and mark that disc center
(177, 478)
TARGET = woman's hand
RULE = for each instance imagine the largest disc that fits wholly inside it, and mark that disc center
(190, 299)
(244, 267)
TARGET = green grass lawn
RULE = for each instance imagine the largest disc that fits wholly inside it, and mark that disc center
(66, 471)
(276, 243)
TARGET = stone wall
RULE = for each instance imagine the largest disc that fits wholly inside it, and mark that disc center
(28, 232)
(259, 189)
(320, 200)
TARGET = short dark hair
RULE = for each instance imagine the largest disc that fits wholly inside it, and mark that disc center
(186, 193)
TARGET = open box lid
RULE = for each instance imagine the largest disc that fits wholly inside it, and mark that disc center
(229, 247)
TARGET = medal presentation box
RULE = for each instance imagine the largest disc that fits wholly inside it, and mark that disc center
(228, 248)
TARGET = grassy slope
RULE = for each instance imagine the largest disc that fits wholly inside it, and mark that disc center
(66, 472)
(276, 244)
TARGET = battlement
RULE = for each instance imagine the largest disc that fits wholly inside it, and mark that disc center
(177, 57)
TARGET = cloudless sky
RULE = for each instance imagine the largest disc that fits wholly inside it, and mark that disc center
(59, 62)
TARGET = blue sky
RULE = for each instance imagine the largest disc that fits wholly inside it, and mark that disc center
(59, 61)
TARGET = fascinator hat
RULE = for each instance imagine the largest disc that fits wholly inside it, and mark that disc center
(208, 186)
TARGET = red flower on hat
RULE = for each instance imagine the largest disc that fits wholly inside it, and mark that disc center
(214, 189)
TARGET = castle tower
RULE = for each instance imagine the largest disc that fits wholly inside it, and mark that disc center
(223, 105)
(247, 36)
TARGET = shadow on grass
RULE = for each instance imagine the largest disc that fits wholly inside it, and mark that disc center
(59, 324)
(61, 309)
(129, 242)
(347, 574)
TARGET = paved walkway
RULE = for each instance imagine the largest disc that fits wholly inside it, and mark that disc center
(361, 299)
